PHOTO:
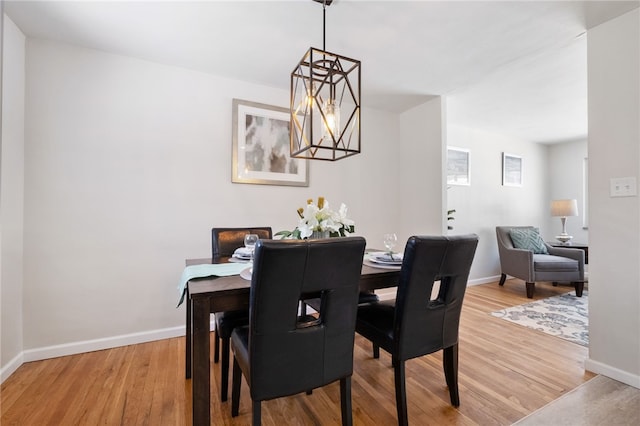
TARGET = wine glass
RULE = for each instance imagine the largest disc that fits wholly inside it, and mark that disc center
(390, 241)
(250, 241)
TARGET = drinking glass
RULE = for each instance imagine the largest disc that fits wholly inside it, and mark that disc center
(390, 241)
(250, 241)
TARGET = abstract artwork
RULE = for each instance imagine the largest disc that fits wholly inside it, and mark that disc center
(261, 147)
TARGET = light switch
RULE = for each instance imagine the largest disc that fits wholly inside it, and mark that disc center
(624, 187)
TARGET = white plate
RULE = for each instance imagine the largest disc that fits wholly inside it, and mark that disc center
(382, 257)
(242, 251)
(241, 256)
(246, 273)
(381, 265)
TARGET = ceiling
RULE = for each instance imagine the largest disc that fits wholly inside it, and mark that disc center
(515, 68)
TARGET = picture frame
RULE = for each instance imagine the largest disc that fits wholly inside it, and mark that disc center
(261, 141)
(458, 166)
(511, 169)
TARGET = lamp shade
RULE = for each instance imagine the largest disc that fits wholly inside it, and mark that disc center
(564, 208)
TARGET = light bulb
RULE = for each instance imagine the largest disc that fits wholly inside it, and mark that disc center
(331, 120)
(306, 102)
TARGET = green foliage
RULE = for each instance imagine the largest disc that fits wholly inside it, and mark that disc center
(450, 217)
(295, 234)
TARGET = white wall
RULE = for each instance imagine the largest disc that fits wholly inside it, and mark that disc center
(128, 168)
(419, 189)
(614, 223)
(11, 198)
(486, 203)
(566, 181)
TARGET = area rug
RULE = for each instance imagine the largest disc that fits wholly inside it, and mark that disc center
(564, 316)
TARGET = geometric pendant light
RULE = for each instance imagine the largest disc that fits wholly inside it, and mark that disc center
(325, 104)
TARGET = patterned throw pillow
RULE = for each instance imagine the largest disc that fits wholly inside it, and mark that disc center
(528, 239)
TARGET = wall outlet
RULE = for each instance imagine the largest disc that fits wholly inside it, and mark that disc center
(624, 187)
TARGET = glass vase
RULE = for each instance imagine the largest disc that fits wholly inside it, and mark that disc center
(319, 234)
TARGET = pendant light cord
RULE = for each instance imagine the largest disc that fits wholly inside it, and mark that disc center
(324, 25)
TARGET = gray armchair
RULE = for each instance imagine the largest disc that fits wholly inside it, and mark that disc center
(561, 264)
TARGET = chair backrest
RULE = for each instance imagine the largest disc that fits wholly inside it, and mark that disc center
(288, 356)
(224, 241)
(508, 264)
(504, 239)
(422, 325)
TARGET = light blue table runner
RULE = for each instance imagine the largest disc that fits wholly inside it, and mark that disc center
(207, 270)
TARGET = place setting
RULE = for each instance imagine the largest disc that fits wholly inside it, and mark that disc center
(385, 259)
(241, 255)
(245, 254)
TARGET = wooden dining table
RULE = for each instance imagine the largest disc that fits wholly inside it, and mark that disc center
(218, 294)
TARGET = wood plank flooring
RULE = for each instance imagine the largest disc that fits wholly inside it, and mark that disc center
(506, 372)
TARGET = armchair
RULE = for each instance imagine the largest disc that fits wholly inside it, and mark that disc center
(555, 264)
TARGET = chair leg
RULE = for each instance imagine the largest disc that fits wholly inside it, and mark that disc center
(224, 369)
(579, 286)
(257, 414)
(450, 364)
(345, 401)
(530, 288)
(376, 351)
(401, 393)
(503, 278)
(216, 348)
(235, 388)
(303, 308)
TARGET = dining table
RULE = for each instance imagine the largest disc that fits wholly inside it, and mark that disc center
(207, 295)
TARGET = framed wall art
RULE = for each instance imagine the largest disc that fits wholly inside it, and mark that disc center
(458, 166)
(511, 170)
(261, 147)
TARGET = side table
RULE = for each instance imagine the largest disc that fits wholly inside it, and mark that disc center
(581, 246)
(579, 286)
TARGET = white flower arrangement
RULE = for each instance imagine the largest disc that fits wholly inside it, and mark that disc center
(321, 218)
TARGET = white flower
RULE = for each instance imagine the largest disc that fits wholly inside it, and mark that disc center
(313, 218)
(341, 217)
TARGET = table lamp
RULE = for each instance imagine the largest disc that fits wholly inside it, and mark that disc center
(564, 208)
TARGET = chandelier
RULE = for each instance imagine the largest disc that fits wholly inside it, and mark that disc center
(325, 104)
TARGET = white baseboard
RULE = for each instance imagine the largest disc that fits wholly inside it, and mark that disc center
(612, 372)
(484, 280)
(390, 293)
(74, 348)
(9, 368)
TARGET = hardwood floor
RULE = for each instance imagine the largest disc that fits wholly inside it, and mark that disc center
(506, 372)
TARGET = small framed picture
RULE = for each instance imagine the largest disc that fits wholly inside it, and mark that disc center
(511, 170)
(458, 166)
(261, 147)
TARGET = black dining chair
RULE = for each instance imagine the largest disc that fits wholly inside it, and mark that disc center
(281, 353)
(413, 324)
(224, 241)
(314, 302)
(363, 297)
